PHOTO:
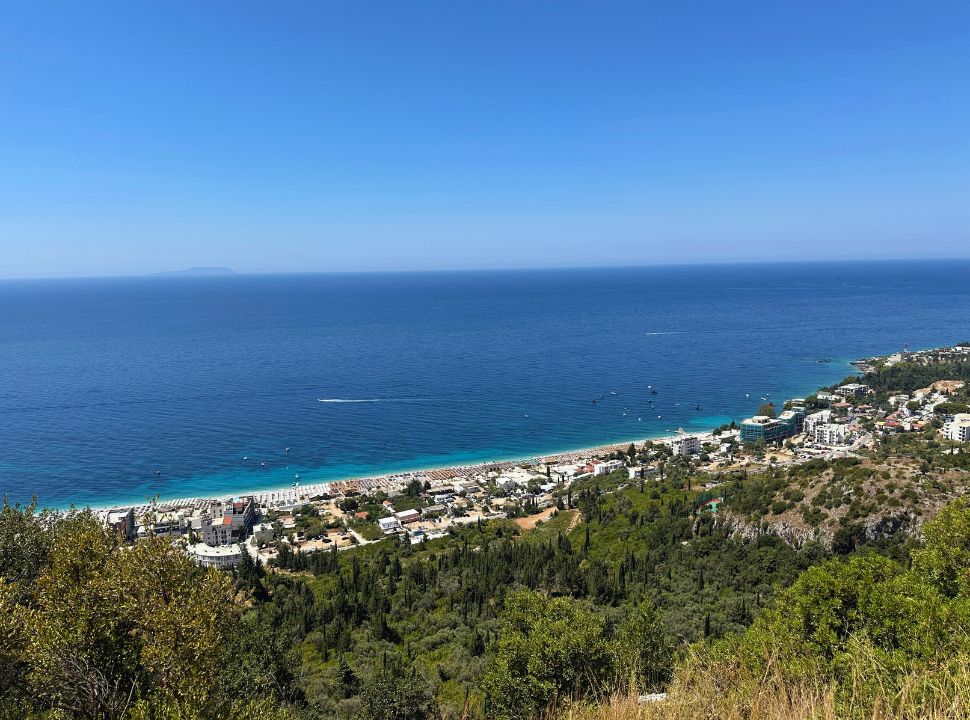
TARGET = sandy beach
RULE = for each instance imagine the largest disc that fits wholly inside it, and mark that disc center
(393, 482)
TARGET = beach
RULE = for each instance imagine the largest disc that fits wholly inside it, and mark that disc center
(392, 483)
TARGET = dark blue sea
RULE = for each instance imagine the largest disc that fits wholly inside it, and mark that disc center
(105, 381)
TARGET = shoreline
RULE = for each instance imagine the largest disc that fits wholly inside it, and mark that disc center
(285, 495)
(291, 495)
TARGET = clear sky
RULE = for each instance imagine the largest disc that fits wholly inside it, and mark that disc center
(277, 136)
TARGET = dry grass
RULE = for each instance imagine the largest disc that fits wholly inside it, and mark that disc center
(721, 691)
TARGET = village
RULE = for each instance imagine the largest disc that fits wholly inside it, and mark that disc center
(841, 421)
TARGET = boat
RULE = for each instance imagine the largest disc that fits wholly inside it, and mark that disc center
(653, 392)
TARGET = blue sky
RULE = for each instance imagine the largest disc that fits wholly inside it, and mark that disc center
(144, 136)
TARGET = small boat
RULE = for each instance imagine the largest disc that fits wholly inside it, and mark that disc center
(653, 392)
(245, 457)
(697, 407)
(594, 401)
(286, 450)
(614, 392)
(262, 464)
(157, 473)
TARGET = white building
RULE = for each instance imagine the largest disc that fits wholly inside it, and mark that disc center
(853, 390)
(832, 434)
(605, 468)
(388, 525)
(958, 429)
(225, 556)
(816, 420)
(263, 534)
(686, 445)
(896, 400)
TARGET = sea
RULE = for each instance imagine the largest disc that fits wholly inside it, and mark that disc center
(116, 390)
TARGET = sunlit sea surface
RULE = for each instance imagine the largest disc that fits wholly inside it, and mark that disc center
(104, 382)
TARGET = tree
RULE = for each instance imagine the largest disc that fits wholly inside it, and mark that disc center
(394, 694)
(944, 559)
(108, 631)
(640, 650)
(548, 649)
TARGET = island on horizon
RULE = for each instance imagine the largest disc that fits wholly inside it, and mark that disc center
(202, 270)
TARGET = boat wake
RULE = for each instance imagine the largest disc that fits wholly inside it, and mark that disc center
(369, 400)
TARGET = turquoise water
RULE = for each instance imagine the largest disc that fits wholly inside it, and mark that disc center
(107, 381)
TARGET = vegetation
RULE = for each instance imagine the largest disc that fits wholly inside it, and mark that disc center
(814, 590)
(863, 637)
(88, 630)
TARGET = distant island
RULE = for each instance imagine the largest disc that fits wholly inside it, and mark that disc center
(200, 271)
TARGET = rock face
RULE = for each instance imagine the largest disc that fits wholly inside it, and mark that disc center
(872, 528)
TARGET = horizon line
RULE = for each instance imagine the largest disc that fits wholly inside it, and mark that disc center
(224, 271)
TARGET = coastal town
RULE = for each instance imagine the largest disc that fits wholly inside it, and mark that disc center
(845, 420)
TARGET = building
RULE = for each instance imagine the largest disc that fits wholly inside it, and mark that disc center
(123, 523)
(686, 445)
(605, 468)
(815, 420)
(263, 534)
(896, 400)
(958, 429)
(762, 428)
(389, 525)
(853, 390)
(406, 517)
(227, 523)
(222, 557)
(832, 434)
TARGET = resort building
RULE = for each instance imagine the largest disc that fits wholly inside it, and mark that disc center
(815, 420)
(605, 468)
(687, 445)
(832, 434)
(762, 428)
(223, 557)
(958, 429)
(227, 523)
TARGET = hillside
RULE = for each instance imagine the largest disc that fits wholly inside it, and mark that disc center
(754, 587)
